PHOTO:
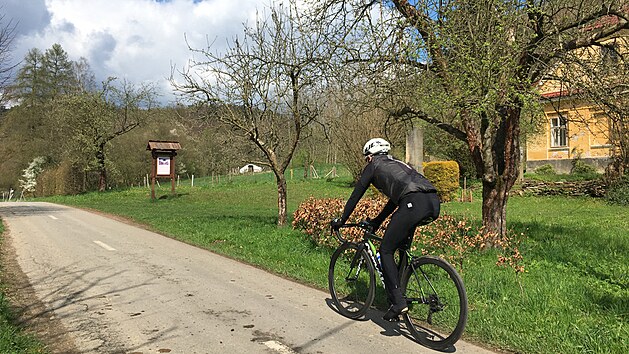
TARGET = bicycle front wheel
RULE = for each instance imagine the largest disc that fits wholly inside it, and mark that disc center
(352, 280)
(437, 302)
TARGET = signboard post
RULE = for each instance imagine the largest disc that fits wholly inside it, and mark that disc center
(163, 165)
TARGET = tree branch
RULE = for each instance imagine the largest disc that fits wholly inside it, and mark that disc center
(450, 129)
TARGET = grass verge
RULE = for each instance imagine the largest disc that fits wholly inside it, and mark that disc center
(12, 339)
(573, 297)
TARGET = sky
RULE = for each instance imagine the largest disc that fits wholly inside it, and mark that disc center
(138, 40)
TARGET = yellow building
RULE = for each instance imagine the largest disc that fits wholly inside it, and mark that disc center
(573, 129)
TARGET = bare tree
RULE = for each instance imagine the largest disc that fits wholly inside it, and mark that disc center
(84, 78)
(470, 67)
(264, 86)
(352, 122)
(7, 34)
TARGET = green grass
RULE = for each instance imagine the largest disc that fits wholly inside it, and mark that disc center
(12, 339)
(573, 297)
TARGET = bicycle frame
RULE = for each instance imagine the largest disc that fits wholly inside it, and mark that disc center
(365, 243)
(430, 300)
(406, 260)
(371, 250)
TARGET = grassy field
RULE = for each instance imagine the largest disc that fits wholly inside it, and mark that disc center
(573, 297)
(12, 339)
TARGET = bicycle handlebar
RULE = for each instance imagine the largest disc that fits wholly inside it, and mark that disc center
(363, 225)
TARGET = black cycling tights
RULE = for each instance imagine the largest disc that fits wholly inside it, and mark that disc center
(415, 209)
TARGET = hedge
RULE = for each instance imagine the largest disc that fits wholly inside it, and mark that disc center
(444, 175)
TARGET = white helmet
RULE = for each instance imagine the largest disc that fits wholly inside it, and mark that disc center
(376, 146)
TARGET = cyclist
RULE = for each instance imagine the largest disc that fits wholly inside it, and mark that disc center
(412, 197)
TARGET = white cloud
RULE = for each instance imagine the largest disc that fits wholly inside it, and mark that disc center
(135, 39)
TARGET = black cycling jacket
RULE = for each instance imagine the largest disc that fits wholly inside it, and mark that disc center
(393, 178)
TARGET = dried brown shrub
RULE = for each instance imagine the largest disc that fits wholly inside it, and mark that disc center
(448, 237)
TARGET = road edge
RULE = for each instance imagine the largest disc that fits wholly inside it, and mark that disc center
(32, 316)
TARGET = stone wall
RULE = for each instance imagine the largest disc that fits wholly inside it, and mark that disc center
(575, 189)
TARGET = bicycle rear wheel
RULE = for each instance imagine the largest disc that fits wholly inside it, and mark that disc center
(352, 280)
(437, 302)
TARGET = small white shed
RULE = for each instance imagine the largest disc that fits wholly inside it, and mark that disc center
(250, 168)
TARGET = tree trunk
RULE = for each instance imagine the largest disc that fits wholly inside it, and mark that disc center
(622, 150)
(494, 209)
(102, 179)
(102, 170)
(281, 199)
(506, 167)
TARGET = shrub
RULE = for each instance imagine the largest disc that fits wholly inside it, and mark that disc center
(546, 169)
(450, 238)
(444, 175)
(618, 192)
(313, 216)
(62, 179)
(455, 239)
(580, 167)
(29, 182)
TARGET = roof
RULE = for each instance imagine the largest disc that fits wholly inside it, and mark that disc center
(554, 94)
(163, 145)
(608, 20)
(560, 94)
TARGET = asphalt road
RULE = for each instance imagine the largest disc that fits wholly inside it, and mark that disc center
(121, 289)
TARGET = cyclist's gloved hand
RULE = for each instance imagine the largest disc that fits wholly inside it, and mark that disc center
(375, 225)
(336, 224)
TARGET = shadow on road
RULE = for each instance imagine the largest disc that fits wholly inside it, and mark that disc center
(74, 295)
(27, 209)
(389, 329)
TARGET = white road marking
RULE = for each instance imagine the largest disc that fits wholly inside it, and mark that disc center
(105, 246)
(52, 217)
(279, 347)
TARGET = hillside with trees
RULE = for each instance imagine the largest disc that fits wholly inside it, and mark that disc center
(80, 135)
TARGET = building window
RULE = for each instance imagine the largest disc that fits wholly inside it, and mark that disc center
(558, 132)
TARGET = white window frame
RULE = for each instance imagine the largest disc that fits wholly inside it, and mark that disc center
(558, 132)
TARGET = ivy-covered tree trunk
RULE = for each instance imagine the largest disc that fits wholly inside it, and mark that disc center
(102, 169)
(620, 139)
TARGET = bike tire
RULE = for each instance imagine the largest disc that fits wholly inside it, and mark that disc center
(437, 302)
(352, 280)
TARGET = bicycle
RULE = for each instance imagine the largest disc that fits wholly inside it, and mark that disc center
(435, 292)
